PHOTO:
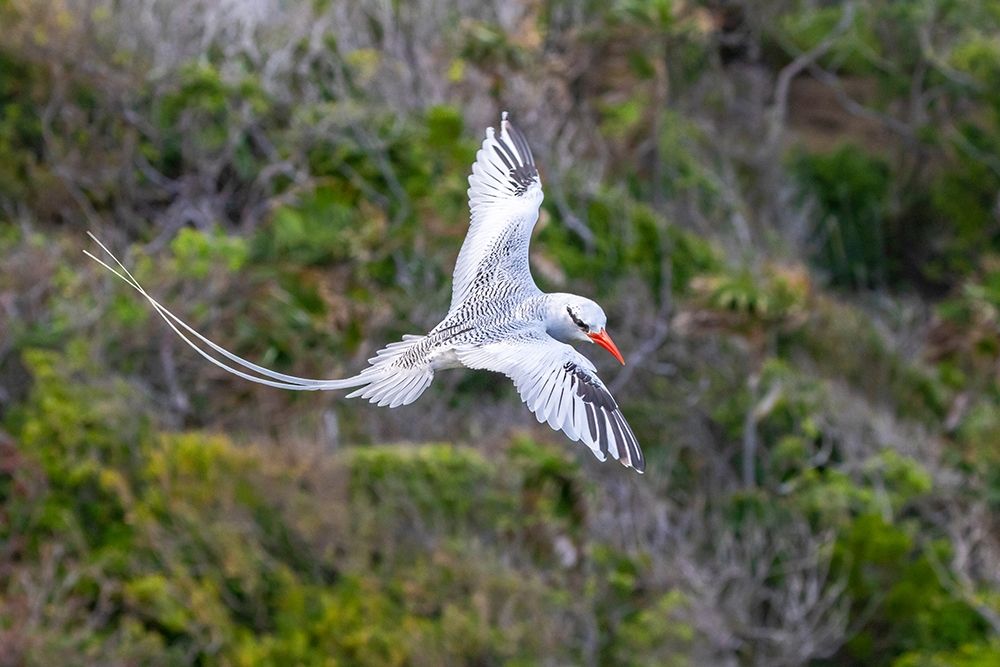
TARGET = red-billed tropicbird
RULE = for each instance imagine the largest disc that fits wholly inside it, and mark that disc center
(498, 320)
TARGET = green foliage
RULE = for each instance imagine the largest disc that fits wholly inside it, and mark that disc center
(780, 296)
(20, 129)
(920, 213)
(804, 29)
(968, 655)
(323, 227)
(964, 196)
(485, 44)
(850, 190)
(211, 552)
(439, 483)
(195, 253)
(844, 344)
(652, 636)
(640, 241)
(286, 192)
(196, 119)
(884, 568)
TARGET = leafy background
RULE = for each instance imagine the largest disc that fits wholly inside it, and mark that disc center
(789, 210)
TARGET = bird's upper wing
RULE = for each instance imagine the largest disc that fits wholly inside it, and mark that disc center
(561, 387)
(504, 195)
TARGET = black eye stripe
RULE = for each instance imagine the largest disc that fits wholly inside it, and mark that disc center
(575, 319)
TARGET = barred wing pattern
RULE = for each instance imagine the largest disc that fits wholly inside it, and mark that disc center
(505, 193)
(561, 387)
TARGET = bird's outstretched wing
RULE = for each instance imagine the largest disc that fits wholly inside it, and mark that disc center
(504, 195)
(561, 387)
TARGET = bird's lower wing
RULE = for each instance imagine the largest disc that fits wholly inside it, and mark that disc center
(560, 386)
(243, 368)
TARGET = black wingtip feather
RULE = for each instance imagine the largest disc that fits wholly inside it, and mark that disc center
(602, 439)
(519, 140)
(602, 410)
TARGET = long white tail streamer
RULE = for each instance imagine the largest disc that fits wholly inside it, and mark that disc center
(279, 380)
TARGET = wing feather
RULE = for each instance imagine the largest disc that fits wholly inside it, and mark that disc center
(561, 387)
(505, 193)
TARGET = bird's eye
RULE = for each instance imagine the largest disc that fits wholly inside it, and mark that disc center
(576, 320)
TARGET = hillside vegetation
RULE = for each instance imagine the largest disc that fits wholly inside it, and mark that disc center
(789, 210)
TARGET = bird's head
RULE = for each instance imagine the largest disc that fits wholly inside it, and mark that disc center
(574, 318)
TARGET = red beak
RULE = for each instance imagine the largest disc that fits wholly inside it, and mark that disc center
(604, 340)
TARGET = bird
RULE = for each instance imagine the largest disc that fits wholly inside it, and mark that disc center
(498, 320)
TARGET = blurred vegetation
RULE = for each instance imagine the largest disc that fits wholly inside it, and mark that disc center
(790, 211)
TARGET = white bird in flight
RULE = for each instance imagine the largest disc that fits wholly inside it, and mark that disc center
(498, 320)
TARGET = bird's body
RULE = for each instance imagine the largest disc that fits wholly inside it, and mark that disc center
(498, 319)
